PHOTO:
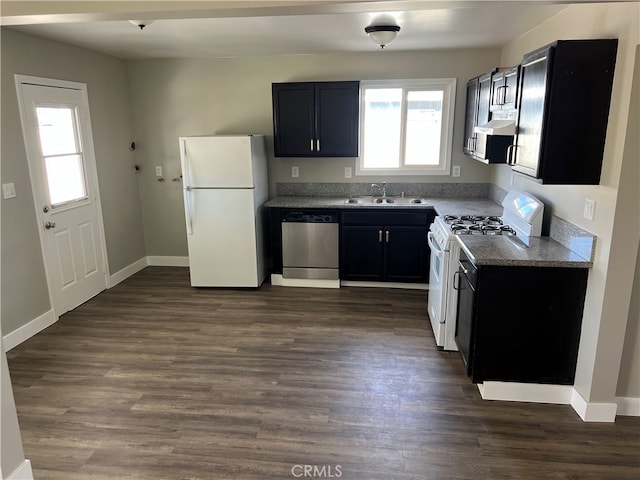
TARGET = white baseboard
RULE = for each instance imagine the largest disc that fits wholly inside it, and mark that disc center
(628, 406)
(28, 330)
(127, 271)
(167, 261)
(562, 395)
(23, 472)
(406, 286)
(279, 281)
(526, 392)
(591, 411)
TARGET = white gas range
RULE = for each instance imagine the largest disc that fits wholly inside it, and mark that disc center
(522, 217)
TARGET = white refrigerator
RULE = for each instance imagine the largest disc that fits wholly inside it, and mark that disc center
(225, 187)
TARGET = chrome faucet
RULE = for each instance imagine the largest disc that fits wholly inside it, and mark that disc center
(382, 189)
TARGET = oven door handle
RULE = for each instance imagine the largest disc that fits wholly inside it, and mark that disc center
(433, 245)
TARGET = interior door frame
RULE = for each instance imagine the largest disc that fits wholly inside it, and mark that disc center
(91, 172)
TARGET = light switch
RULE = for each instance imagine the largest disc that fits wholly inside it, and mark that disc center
(8, 190)
(347, 172)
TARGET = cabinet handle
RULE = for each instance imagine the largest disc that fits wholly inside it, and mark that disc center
(387, 236)
(510, 154)
(379, 236)
(318, 145)
(502, 95)
(312, 144)
(456, 276)
(511, 160)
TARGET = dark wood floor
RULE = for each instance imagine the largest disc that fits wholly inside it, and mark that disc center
(155, 380)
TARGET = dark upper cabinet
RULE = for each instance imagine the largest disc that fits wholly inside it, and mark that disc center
(471, 115)
(486, 148)
(504, 86)
(316, 119)
(563, 104)
(477, 113)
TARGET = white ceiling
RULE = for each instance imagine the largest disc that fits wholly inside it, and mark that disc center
(237, 29)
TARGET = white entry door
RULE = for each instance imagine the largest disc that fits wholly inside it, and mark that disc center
(59, 145)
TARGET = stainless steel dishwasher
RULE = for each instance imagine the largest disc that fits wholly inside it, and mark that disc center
(310, 244)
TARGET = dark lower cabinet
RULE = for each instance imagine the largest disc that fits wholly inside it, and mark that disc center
(274, 249)
(362, 252)
(385, 246)
(405, 257)
(519, 324)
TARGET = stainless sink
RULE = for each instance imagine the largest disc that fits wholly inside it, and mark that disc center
(385, 200)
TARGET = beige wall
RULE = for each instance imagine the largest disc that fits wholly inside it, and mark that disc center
(616, 217)
(629, 379)
(24, 289)
(215, 96)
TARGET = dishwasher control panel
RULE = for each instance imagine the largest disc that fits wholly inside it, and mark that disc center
(308, 216)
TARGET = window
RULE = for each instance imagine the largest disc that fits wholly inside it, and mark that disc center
(63, 160)
(406, 127)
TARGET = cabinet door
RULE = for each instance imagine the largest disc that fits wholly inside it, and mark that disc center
(531, 112)
(471, 115)
(361, 253)
(337, 117)
(484, 99)
(509, 96)
(497, 92)
(406, 256)
(465, 320)
(293, 119)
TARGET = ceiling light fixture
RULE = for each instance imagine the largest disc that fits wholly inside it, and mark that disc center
(382, 35)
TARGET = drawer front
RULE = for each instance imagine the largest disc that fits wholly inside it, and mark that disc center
(390, 217)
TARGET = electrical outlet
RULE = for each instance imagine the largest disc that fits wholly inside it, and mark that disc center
(8, 190)
(347, 172)
(295, 172)
(589, 209)
(455, 171)
(158, 171)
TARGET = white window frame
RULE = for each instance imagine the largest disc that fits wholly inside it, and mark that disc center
(448, 87)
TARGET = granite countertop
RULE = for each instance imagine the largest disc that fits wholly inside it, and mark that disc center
(511, 251)
(443, 206)
(482, 250)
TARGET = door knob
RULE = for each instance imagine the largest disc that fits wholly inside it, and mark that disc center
(49, 225)
(45, 209)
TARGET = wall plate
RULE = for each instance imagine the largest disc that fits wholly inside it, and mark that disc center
(8, 190)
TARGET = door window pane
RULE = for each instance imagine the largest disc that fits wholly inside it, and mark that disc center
(423, 127)
(382, 127)
(65, 178)
(57, 130)
(63, 159)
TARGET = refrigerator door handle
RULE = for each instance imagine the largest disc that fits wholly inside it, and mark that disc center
(188, 210)
(187, 171)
